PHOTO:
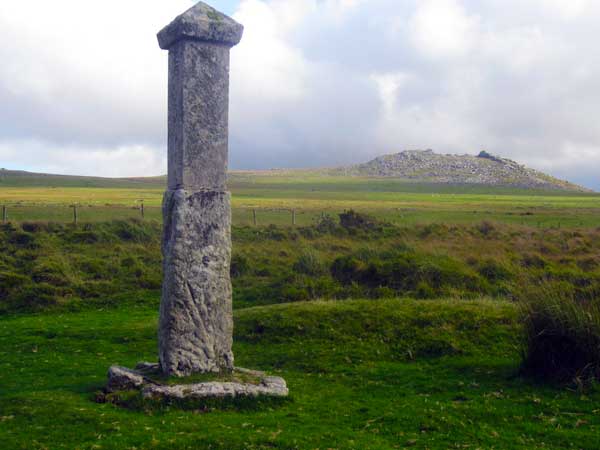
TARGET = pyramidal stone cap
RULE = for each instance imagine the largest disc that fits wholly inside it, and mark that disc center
(201, 23)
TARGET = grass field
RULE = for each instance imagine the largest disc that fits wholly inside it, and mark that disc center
(273, 197)
(400, 332)
(362, 375)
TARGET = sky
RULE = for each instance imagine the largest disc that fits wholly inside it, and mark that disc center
(83, 85)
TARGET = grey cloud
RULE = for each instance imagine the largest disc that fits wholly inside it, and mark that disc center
(523, 81)
(528, 87)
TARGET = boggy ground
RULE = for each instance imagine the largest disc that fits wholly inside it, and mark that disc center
(363, 374)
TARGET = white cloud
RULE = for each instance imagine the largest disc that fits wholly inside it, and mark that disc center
(443, 28)
(118, 161)
(567, 9)
(314, 82)
(84, 75)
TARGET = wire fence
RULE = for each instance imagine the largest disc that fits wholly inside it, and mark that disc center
(261, 216)
(18, 213)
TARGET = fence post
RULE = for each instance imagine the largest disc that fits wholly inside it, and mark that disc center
(293, 217)
(4, 214)
(75, 214)
(142, 209)
(254, 216)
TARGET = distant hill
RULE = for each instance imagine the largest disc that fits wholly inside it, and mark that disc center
(16, 178)
(483, 169)
(410, 167)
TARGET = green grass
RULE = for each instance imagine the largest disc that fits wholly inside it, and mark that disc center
(362, 374)
(273, 196)
(48, 266)
(375, 373)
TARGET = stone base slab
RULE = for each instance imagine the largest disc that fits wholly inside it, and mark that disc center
(124, 379)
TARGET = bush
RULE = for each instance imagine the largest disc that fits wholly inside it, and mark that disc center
(239, 266)
(412, 274)
(23, 239)
(494, 270)
(347, 269)
(325, 224)
(133, 230)
(534, 261)
(486, 228)
(309, 263)
(84, 237)
(354, 220)
(562, 335)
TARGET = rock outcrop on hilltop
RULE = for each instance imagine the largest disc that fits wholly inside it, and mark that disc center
(483, 169)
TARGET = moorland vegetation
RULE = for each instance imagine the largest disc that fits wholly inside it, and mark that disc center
(436, 320)
(50, 265)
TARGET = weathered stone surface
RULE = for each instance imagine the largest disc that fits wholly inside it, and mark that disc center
(147, 367)
(196, 320)
(122, 379)
(204, 23)
(198, 116)
(269, 386)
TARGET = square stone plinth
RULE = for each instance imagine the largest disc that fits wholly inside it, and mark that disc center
(144, 379)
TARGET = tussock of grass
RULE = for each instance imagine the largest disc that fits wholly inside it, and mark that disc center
(562, 335)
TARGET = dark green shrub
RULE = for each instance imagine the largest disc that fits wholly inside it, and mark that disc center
(424, 290)
(588, 264)
(294, 294)
(494, 271)
(354, 220)
(326, 224)
(486, 228)
(309, 263)
(321, 287)
(384, 292)
(148, 280)
(307, 232)
(128, 262)
(534, 261)
(433, 230)
(133, 230)
(10, 281)
(239, 265)
(50, 272)
(37, 296)
(84, 237)
(347, 269)
(263, 272)
(34, 227)
(23, 239)
(562, 335)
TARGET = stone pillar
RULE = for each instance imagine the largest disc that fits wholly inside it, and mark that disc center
(196, 321)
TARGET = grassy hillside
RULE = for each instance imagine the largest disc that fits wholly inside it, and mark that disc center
(279, 179)
(52, 266)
